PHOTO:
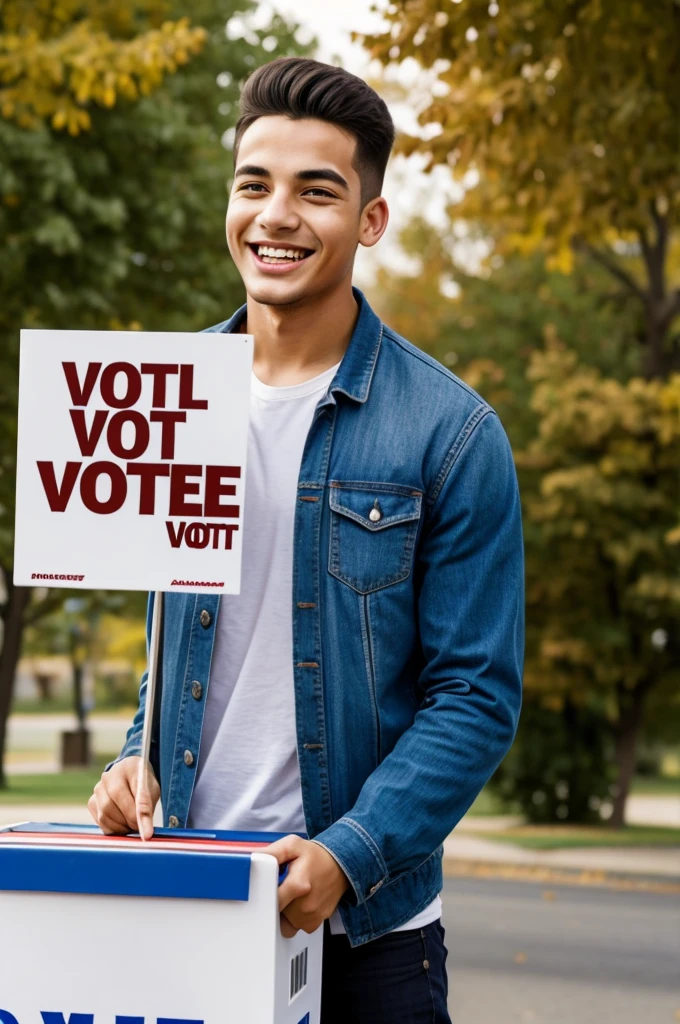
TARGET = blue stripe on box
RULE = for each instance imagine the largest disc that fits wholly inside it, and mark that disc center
(305, 1019)
(203, 876)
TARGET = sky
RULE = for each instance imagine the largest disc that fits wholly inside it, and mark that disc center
(408, 191)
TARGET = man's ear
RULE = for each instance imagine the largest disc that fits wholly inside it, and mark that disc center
(374, 218)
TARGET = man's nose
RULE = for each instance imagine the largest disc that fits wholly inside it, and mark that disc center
(278, 212)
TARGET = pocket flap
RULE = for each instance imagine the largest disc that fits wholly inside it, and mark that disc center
(394, 504)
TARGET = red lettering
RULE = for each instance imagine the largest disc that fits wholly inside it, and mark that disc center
(133, 389)
(197, 535)
(58, 497)
(168, 421)
(228, 532)
(231, 529)
(114, 435)
(186, 389)
(87, 442)
(159, 372)
(175, 535)
(88, 487)
(180, 488)
(148, 473)
(81, 395)
(215, 489)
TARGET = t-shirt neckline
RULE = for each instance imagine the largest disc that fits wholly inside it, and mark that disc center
(269, 393)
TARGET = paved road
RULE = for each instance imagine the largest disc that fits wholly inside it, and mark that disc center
(579, 956)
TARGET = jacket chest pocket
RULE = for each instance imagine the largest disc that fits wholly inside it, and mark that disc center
(373, 530)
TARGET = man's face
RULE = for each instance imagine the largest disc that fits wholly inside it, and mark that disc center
(295, 191)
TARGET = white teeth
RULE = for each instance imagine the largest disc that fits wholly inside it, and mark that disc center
(292, 254)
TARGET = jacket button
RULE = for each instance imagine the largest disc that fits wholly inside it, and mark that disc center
(426, 964)
(375, 515)
(188, 758)
(173, 821)
(196, 690)
(205, 618)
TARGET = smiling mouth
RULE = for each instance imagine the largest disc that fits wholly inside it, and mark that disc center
(280, 255)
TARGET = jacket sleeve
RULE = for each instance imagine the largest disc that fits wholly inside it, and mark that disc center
(469, 578)
(133, 739)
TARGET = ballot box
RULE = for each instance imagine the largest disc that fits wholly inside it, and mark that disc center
(182, 929)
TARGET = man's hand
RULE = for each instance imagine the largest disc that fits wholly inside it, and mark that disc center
(313, 886)
(112, 804)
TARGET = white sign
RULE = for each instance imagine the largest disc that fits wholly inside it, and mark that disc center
(131, 460)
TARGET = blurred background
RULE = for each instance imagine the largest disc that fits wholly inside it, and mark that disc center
(533, 249)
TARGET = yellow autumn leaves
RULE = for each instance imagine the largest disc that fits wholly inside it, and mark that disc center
(56, 77)
(569, 118)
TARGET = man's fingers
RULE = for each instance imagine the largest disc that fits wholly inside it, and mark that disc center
(115, 805)
(292, 887)
(144, 787)
(296, 882)
(146, 792)
(288, 930)
(120, 803)
(150, 786)
(110, 819)
(286, 849)
(93, 809)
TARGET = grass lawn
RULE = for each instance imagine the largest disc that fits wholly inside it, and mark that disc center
(563, 837)
(661, 786)
(488, 803)
(71, 787)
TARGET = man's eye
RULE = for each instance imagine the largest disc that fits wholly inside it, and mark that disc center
(251, 185)
(320, 191)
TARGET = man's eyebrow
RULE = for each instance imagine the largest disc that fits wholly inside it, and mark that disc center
(258, 172)
(324, 174)
(314, 174)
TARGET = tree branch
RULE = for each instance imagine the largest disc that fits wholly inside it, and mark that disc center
(654, 254)
(669, 310)
(614, 268)
(42, 608)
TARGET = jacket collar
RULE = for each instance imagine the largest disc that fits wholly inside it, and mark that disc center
(355, 372)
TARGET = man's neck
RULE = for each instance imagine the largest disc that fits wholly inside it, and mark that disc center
(295, 343)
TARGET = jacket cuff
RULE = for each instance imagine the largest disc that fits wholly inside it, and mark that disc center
(132, 748)
(358, 856)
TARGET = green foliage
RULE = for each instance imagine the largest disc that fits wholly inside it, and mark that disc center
(559, 769)
(603, 558)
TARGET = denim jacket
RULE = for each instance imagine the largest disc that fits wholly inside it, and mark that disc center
(407, 639)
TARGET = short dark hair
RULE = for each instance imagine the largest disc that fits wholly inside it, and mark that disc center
(298, 87)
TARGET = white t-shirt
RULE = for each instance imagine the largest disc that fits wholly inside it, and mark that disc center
(248, 772)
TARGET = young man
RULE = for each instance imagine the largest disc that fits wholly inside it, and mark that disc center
(366, 682)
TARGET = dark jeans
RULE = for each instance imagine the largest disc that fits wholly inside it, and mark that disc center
(399, 978)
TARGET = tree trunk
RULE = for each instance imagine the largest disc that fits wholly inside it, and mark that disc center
(626, 735)
(17, 601)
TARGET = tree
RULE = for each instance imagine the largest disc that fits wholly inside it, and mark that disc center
(568, 116)
(604, 586)
(114, 219)
(58, 59)
(598, 457)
